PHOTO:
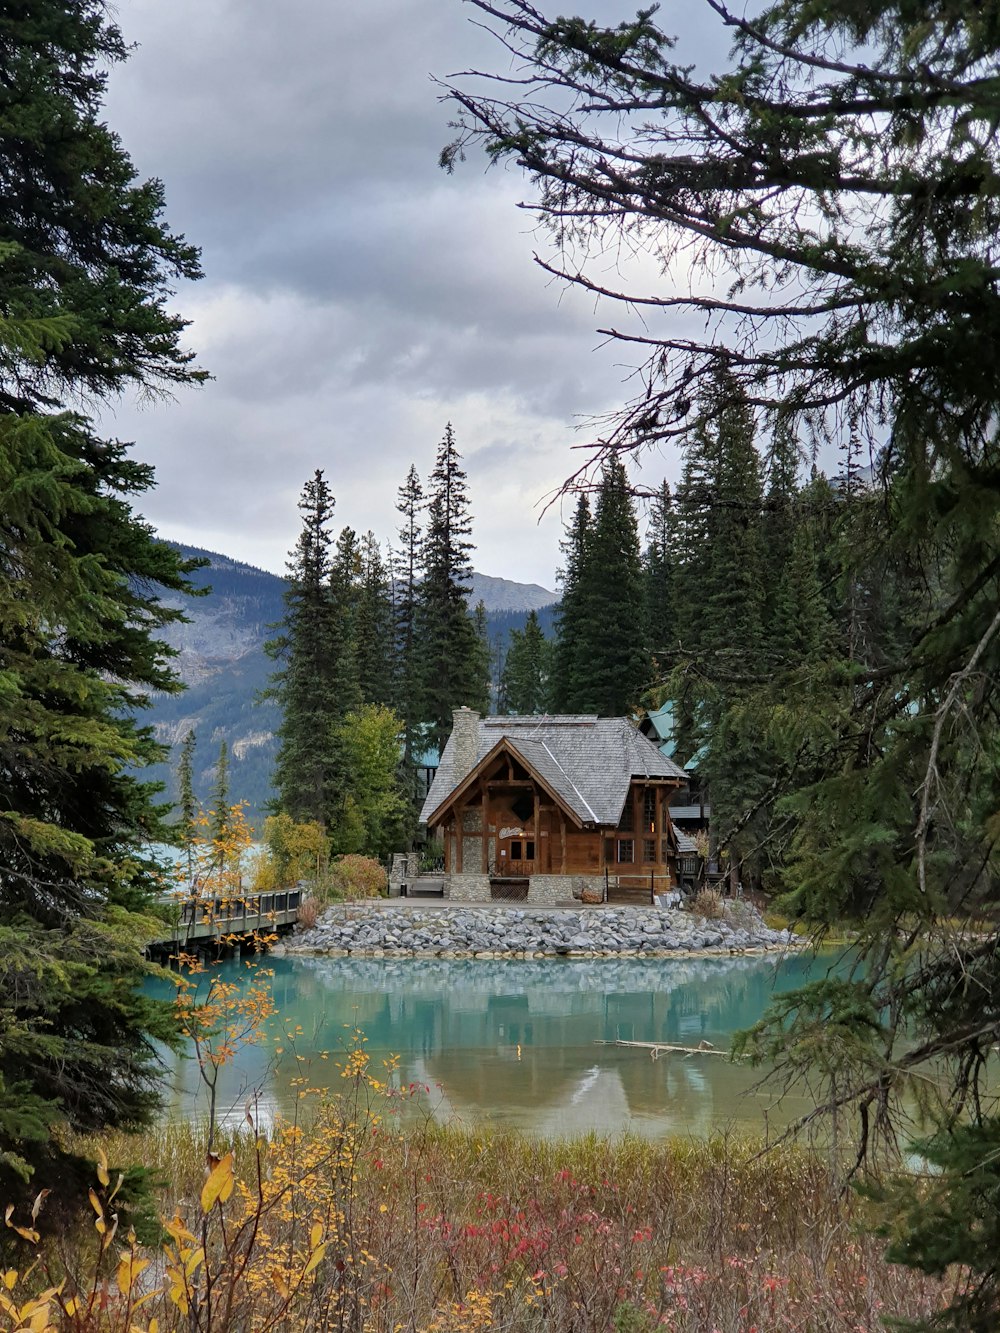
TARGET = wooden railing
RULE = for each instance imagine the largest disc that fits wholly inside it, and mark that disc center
(208, 918)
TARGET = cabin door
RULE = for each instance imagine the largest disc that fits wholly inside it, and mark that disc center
(516, 855)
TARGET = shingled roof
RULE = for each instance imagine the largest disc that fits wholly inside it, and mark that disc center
(587, 761)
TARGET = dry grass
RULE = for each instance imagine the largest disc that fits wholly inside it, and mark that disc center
(439, 1230)
(708, 903)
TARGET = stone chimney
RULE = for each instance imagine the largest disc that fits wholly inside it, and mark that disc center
(465, 734)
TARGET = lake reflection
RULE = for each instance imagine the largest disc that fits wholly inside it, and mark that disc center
(515, 1042)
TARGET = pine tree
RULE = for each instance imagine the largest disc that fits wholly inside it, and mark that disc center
(613, 664)
(687, 553)
(658, 581)
(406, 575)
(524, 681)
(481, 691)
(564, 687)
(449, 648)
(735, 763)
(220, 822)
(732, 580)
(305, 647)
(835, 189)
(86, 265)
(187, 801)
(374, 626)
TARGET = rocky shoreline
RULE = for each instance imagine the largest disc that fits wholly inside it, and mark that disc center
(401, 931)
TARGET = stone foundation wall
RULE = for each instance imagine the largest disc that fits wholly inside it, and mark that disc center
(469, 888)
(559, 888)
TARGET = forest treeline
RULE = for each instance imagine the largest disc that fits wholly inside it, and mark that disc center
(373, 654)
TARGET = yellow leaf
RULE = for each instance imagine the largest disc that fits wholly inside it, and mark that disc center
(314, 1259)
(279, 1282)
(128, 1270)
(95, 1203)
(102, 1168)
(10, 1278)
(219, 1177)
(316, 1235)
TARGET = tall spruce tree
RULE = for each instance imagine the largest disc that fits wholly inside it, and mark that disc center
(565, 688)
(406, 577)
(305, 773)
(614, 666)
(524, 680)
(187, 801)
(86, 267)
(449, 647)
(781, 516)
(221, 816)
(374, 626)
(658, 581)
(481, 694)
(838, 187)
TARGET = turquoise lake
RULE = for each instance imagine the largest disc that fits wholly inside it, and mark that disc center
(517, 1042)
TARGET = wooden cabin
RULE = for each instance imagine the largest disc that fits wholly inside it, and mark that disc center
(552, 799)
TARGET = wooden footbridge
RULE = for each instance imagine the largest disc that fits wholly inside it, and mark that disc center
(223, 925)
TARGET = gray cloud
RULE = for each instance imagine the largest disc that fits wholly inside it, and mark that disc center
(355, 297)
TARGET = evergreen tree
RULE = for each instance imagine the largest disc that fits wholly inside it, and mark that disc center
(691, 541)
(449, 646)
(524, 681)
(732, 580)
(735, 762)
(86, 266)
(658, 580)
(306, 645)
(838, 184)
(780, 520)
(187, 801)
(565, 684)
(345, 580)
(614, 665)
(481, 693)
(220, 796)
(374, 626)
(406, 575)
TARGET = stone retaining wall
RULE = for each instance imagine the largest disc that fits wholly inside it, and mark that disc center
(380, 930)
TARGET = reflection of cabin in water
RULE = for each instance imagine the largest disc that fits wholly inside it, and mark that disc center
(552, 804)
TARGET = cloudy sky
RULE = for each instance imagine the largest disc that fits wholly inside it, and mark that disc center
(356, 298)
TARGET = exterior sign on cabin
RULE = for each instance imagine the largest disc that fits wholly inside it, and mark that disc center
(552, 804)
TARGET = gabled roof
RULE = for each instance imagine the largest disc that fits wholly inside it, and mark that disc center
(586, 761)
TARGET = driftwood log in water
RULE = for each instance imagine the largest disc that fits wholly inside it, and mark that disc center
(657, 1048)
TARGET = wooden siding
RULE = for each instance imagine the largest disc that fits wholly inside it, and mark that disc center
(507, 824)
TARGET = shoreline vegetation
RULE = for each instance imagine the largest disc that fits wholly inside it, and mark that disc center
(344, 1221)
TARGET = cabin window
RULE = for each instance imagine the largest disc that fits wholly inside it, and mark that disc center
(664, 850)
(625, 823)
(649, 810)
(689, 866)
(529, 851)
(649, 849)
(515, 851)
(626, 851)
